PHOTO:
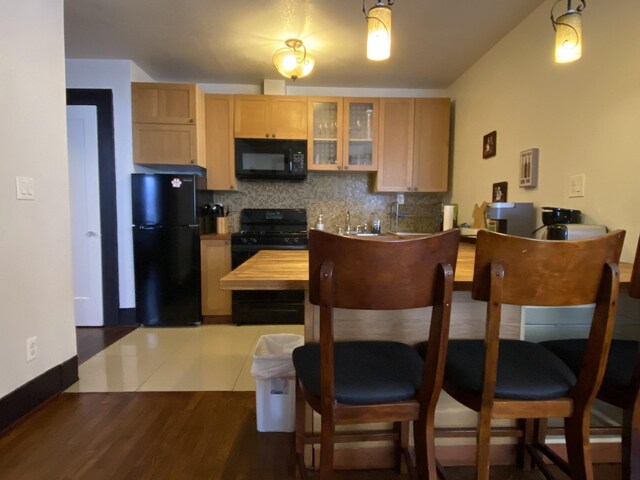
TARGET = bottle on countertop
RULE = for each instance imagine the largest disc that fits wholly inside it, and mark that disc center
(320, 223)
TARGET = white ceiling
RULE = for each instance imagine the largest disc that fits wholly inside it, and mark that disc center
(211, 41)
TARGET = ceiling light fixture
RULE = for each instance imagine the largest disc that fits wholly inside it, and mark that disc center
(568, 27)
(292, 62)
(378, 30)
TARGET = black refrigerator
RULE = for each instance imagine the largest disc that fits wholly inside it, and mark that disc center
(166, 248)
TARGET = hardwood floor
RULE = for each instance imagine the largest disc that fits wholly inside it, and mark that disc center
(175, 435)
(91, 340)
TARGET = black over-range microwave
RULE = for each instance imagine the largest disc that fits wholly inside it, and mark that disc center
(271, 159)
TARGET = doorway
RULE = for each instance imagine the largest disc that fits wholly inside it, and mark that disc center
(102, 99)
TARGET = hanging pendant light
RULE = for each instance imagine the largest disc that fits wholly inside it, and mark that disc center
(568, 27)
(293, 61)
(379, 30)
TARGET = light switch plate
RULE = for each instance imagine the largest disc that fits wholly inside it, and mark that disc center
(576, 185)
(25, 188)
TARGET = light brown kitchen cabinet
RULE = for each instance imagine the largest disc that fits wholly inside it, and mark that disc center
(395, 146)
(220, 156)
(271, 116)
(431, 145)
(414, 145)
(324, 146)
(215, 263)
(168, 124)
(361, 139)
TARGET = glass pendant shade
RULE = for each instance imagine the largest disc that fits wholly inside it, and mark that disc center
(568, 37)
(379, 32)
(291, 62)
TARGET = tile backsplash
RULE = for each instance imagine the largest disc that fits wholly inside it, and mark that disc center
(332, 195)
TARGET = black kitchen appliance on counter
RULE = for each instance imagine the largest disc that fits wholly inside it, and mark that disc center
(166, 248)
(268, 229)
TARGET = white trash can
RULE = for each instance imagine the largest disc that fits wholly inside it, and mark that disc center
(275, 382)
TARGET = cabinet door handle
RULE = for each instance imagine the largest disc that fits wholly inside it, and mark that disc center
(192, 161)
(266, 135)
(346, 167)
(273, 135)
(191, 120)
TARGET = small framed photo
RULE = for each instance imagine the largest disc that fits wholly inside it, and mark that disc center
(499, 193)
(489, 144)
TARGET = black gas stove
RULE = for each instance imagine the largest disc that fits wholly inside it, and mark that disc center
(268, 229)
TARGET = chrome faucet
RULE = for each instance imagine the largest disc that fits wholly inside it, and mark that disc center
(347, 229)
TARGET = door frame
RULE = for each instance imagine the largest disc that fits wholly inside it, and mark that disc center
(102, 99)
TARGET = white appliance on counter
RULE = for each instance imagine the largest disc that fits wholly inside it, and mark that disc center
(572, 231)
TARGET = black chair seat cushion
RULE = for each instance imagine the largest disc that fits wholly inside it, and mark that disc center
(622, 358)
(526, 370)
(366, 372)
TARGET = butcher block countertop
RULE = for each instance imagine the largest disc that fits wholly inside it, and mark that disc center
(289, 270)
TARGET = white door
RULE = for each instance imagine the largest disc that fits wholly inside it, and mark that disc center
(84, 192)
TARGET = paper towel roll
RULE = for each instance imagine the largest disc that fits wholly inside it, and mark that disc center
(447, 217)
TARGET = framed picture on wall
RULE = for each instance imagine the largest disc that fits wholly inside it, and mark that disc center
(499, 192)
(489, 144)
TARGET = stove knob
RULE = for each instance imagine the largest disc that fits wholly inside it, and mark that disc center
(254, 241)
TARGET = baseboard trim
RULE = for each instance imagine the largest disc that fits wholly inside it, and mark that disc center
(216, 320)
(127, 317)
(34, 393)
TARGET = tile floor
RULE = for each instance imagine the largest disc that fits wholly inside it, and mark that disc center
(207, 357)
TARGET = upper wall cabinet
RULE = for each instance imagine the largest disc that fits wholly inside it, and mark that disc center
(361, 140)
(325, 134)
(431, 145)
(219, 142)
(271, 116)
(414, 145)
(168, 124)
(396, 145)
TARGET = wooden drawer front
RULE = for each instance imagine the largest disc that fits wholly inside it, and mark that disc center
(164, 144)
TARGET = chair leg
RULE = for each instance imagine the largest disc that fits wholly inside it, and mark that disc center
(397, 450)
(631, 444)
(424, 440)
(523, 457)
(576, 429)
(483, 447)
(327, 434)
(300, 431)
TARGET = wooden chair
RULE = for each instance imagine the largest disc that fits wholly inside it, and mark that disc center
(621, 383)
(375, 381)
(514, 379)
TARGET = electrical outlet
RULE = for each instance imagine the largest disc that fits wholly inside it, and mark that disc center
(400, 198)
(576, 185)
(32, 348)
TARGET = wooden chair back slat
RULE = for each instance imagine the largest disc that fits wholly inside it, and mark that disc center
(572, 278)
(380, 275)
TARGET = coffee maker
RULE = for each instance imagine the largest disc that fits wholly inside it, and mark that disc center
(511, 218)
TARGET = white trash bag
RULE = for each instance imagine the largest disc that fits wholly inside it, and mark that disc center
(272, 357)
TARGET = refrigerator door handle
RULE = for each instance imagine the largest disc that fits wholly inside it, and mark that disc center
(93, 234)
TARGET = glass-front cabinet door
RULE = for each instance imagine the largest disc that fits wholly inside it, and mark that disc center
(325, 133)
(360, 144)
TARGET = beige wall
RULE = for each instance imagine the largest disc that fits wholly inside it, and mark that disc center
(584, 117)
(35, 276)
